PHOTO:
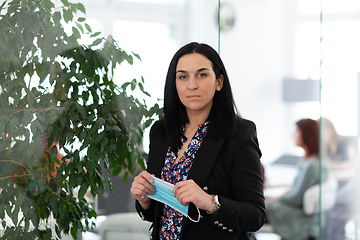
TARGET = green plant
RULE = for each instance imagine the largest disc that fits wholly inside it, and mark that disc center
(54, 87)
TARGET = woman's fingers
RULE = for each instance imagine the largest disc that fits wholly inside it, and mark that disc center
(142, 185)
(188, 191)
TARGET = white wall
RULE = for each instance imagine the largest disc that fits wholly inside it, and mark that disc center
(256, 53)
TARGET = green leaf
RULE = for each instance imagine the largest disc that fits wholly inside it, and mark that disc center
(88, 27)
(133, 84)
(65, 2)
(95, 34)
(5, 65)
(81, 8)
(57, 17)
(148, 123)
(125, 176)
(76, 32)
(81, 19)
(81, 110)
(16, 62)
(2, 128)
(82, 190)
(80, 27)
(68, 15)
(141, 86)
(85, 95)
(63, 207)
(116, 170)
(96, 42)
(124, 86)
(28, 116)
(2, 144)
(74, 232)
(104, 142)
(99, 137)
(136, 55)
(48, 3)
(12, 125)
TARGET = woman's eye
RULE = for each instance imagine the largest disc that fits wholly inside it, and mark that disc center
(202, 75)
(182, 77)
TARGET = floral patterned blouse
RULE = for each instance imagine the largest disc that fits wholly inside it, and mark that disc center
(173, 172)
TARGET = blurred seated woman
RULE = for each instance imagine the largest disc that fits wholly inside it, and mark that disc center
(340, 151)
(286, 213)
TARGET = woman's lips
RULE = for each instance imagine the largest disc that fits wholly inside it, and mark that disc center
(193, 96)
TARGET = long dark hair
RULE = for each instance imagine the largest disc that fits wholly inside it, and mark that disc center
(222, 116)
(310, 135)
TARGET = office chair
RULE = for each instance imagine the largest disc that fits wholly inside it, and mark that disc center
(311, 198)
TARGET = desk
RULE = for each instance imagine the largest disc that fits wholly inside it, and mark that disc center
(343, 174)
(279, 178)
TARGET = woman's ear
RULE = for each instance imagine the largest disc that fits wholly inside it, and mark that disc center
(220, 83)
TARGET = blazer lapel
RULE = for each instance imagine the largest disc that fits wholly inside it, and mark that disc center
(157, 156)
(205, 159)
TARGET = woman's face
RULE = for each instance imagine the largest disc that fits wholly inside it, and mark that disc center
(298, 137)
(196, 83)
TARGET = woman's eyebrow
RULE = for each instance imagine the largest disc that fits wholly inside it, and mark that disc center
(202, 69)
(180, 71)
(199, 70)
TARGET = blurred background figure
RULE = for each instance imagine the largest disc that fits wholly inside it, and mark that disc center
(342, 155)
(341, 151)
(286, 214)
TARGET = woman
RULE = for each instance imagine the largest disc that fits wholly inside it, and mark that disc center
(340, 151)
(286, 214)
(207, 151)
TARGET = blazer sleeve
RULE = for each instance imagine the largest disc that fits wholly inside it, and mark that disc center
(243, 210)
(148, 214)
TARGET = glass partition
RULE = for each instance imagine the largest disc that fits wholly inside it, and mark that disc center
(340, 112)
(290, 60)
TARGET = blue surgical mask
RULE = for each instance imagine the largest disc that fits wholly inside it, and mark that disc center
(164, 193)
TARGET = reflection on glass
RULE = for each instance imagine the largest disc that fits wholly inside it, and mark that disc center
(268, 44)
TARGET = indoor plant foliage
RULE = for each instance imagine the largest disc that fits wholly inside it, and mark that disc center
(53, 88)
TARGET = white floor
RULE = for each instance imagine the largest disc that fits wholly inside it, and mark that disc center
(267, 236)
(90, 236)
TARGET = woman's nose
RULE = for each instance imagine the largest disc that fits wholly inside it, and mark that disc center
(192, 84)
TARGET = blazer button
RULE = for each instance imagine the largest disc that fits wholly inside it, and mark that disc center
(224, 228)
(142, 216)
(205, 188)
(201, 216)
(220, 225)
(216, 222)
(230, 230)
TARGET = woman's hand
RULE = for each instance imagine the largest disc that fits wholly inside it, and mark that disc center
(188, 191)
(141, 186)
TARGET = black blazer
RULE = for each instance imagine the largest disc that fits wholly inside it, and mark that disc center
(229, 168)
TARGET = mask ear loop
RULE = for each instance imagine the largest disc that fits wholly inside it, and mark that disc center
(195, 221)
